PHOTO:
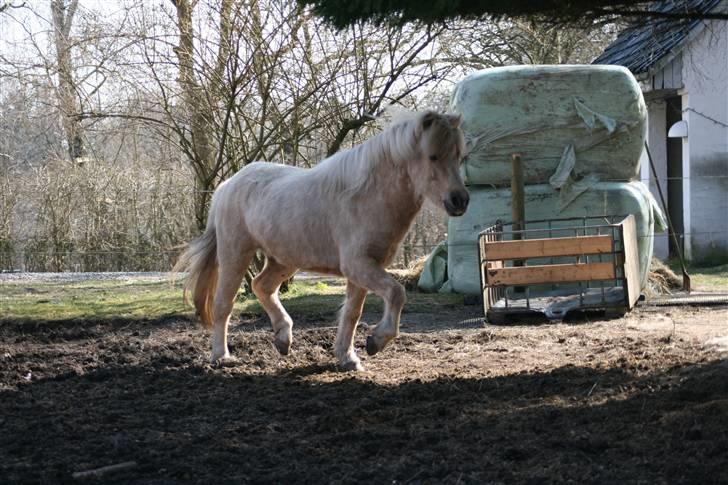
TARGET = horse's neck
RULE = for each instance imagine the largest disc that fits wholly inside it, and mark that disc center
(394, 186)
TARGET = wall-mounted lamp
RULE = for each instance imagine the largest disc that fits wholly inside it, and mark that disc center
(678, 130)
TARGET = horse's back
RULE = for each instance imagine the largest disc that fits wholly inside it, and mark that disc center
(287, 211)
(263, 173)
(250, 184)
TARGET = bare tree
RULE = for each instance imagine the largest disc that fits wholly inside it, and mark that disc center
(193, 90)
(524, 41)
(385, 66)
(63, 13)
(8, 5)
(267, 82)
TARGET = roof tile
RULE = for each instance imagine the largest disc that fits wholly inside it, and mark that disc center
(639, 46)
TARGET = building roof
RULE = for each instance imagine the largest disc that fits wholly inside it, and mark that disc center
(642, 45)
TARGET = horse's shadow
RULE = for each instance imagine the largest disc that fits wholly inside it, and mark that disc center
(188, 423)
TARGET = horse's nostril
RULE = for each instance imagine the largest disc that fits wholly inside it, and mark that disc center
(459, 200)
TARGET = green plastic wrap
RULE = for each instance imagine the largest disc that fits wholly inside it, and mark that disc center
(542, 202)
(563, 120)
(434, 271)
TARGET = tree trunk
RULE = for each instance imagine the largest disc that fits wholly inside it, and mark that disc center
(62, 20)
(200, 101)
(200, 120)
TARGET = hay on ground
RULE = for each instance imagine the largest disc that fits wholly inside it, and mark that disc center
(661, 279)
(409, 276)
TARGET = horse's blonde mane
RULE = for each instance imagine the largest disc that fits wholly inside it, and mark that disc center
(354, 170)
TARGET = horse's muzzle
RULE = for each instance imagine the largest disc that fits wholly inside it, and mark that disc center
(457, 203)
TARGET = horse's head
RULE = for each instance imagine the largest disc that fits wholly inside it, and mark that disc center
(435, 171)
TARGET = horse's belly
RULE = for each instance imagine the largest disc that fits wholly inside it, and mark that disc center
(312, 250)
(304, 258)
(326, 271)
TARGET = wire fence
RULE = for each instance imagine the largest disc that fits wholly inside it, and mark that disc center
(428, 247)
(191, 190)
(132, 259)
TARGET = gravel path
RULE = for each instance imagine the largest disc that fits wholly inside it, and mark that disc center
(76, 277)
(22, 277)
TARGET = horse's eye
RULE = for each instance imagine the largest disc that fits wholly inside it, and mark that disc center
(433, 158)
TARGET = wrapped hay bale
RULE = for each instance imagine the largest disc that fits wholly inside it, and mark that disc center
(581, 120)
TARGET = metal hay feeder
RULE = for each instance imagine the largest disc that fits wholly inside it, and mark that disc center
(557, 266)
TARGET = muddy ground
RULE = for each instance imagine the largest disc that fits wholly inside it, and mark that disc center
(642, 399)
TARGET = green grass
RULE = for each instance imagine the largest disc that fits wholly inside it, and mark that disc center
(92, 300)
(714, 278)
(100, 300)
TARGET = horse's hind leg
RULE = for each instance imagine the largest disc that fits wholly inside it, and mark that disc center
(265, 287)
(232, 266)
(348, 319)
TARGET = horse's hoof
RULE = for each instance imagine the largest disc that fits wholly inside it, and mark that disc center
(351, 366)
(225, 361)
(372, 347)
(216, 356)
(282, 346)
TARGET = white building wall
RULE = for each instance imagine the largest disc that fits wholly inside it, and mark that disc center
(705, 150)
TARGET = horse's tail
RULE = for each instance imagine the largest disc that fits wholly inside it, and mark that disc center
(199, 260)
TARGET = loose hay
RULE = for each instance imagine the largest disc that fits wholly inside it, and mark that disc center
(661, 279)
(411, 275)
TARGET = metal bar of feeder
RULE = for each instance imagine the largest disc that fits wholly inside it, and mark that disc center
(551, 259)
(601, 283)
(604, 217)
(562, 229)
(518, 206)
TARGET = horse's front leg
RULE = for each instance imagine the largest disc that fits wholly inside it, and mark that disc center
(348, 319)
(371, 276)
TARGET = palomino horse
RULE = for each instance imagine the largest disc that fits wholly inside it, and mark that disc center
(346, 216)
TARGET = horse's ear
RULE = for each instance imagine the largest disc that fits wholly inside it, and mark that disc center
(427, 119)
(454, 120)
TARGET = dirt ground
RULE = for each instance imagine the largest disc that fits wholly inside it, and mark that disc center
(642, 399)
